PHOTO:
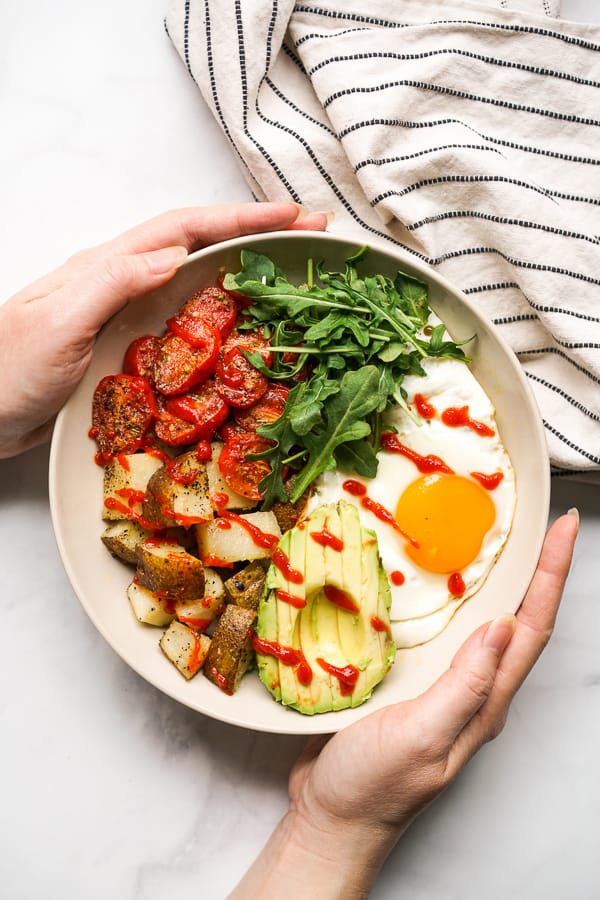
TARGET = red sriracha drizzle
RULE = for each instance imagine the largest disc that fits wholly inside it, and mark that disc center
(379, 625)
(489, 482)
(327, 539)
(347, 676)
(292, 599)
(456, 585)
(425, 409)
(358, 489)
(425, 464)
(340, 598)
(289, 656)
(397, 578)
(280, 560)
(455, 416)
(260, 538)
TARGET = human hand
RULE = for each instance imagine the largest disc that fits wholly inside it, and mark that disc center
(48, 330)
(352, 795)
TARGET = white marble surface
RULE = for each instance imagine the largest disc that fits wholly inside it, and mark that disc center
(110, 789)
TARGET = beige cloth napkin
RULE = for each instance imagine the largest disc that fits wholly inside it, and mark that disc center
(465, 132)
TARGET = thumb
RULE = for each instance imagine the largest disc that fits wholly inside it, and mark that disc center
(452, 701)
(85, 303)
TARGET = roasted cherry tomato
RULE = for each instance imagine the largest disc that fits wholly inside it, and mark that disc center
(236, 379)
(211, 305)
(230, 429)
(203, 406)
(176, 432)
(266, 410)
(241, 474)
(180, 367)
(123, 409)
(141, 355)
(194, 330)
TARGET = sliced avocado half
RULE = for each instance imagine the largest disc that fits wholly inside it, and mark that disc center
(323, 629)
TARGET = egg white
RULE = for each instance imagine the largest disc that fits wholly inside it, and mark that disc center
(423, 605)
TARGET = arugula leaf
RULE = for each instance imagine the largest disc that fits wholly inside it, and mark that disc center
(353, 338)
(344, 420)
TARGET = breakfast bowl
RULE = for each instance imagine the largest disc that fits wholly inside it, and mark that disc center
(100, 581)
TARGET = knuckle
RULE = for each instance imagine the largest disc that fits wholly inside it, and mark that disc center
(116, 273)
(478, 684)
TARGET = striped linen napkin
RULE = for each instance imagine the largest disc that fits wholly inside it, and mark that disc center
(467, 133)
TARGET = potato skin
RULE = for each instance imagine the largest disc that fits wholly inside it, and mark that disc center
(169, 501)
(168, 569)
(247, 586)
(122, 538)
(230, 653)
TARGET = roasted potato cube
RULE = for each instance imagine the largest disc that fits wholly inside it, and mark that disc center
(125, 481)
(230, 653)
(199, 614)
(148, 608)
(218, 487)
(172, 501)
(247, 586)
(122, 537)
(228, 540)
(167, 568)
(186, 649)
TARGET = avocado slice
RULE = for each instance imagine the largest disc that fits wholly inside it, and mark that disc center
(332, 644)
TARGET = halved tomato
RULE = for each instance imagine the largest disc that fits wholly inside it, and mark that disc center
(211, 305)
(175, 431)
(123, 409)
(236, 379)
(241, 474)
(266, 410)
(141, 355)
(180, 367)
(203, 406)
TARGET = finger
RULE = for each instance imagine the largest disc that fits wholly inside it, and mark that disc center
(88, 301)
(197, 227)
(192, 228)
(452, 701)
(534, 624)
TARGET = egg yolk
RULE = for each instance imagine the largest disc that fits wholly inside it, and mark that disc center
(448, 517)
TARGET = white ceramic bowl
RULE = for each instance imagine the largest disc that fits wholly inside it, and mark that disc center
(100, 581)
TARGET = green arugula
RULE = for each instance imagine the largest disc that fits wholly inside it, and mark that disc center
(357, 338)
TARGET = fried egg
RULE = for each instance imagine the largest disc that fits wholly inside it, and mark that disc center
(442, 501)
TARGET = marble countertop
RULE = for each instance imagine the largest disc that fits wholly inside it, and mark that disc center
(111, 789)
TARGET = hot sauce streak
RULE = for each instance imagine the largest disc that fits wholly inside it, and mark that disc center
(297, 602)
(425, 464)
(327, 539)
(260, 538)
(489, 482)
(289, 656)
(456, 585)
(379, 625)
(340, 598)
(425, 409)
(456, 416)
(385, 515)
(280, 560)
(347, 676)
(397, 578)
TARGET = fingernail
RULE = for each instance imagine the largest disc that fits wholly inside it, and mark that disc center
(166, 259)
(303, 212)
(499, 633)
(575, 513)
